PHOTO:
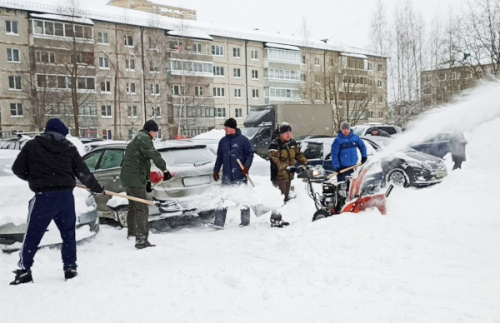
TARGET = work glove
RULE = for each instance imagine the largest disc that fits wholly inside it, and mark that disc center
(363, 160)
(102, 192)
(245, 170)
(216, 176)
(291, 169)
(149, 189)
(166, 175)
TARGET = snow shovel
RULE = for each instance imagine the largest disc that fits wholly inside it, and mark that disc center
(342, 171)
(242, 167)
(163, 206)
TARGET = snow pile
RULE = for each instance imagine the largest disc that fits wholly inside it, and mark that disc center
(433, 258)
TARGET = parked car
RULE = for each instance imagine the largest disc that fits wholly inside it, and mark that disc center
(404, 168)
(438, 145)
(14, 197)
(366, 129)
(15, 143)
(190, 163)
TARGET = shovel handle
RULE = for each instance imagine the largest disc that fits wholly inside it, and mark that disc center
(342, 171)
(242, 167)
(131, 198)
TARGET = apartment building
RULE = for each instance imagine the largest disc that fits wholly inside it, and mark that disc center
(104, 72)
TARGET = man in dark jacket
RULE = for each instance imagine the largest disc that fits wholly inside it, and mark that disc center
(232, 147)
(283, 154)
(379, 132)
(457, 146)
(345, 150)
(50, 164)
(135, 176)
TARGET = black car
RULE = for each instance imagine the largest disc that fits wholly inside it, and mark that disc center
(438, 145)
(405, 168)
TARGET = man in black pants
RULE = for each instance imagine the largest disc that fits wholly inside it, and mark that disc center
(50, 164)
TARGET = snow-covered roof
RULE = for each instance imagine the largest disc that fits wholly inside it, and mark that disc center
(191, 33)
(126, 16)
(78, 20)
(288, 47)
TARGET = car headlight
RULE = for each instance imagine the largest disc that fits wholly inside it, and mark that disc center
(412, 163)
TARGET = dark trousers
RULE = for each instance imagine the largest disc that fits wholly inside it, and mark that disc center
(220, 216)
(137, 215)
(43, 208)
(284, 187)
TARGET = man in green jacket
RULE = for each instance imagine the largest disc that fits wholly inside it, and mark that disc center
(135, 176)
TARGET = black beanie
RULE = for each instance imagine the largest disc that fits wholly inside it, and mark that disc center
(231, 123)
(56, 125)
(150, 125)
(285, 127)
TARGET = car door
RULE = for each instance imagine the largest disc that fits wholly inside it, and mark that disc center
(109, 168)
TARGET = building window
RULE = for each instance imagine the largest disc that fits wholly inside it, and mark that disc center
(217, 50)
(254, 54)
(369, 66)
(129, 41)
(45, 57)
(14, 82)
(11, 27)
(238, 113)
(153, 66)
(303, 59)
(380, 83)
(16, 109)
(237, 72)
(130, 88)
(106, 111)
(77, 59)
(88, 111)
(255, 93)
(132, 111)
(178, 90)
(104, 63)
(236, 52)
(106, 87)
(380, 68)
(316, 60)
(13, 55)
(237, 93)
(198, 91)
(219, 70)
(197, 48)
(129, 64)
(156, 112)
(102, 38)
(51, 28)
(220, 112)
(155, 89)
(255, 74)
(219, 92)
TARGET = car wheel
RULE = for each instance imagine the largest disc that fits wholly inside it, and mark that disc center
(398, 178)
(321, 214)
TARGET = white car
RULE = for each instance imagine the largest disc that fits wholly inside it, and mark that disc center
(14, 197)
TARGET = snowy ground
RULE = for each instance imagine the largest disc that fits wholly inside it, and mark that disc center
(433, 258)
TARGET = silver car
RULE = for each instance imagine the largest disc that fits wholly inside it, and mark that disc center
(190, 163)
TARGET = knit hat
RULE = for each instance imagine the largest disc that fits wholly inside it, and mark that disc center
(285, 127)
(56, 125)
(345, 125)
(231, 123)
(150, 125)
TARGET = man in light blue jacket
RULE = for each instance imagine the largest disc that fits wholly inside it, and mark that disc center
(344, 150)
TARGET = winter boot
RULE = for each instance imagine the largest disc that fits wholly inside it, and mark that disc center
(70, 273)
(143, 243)
(22, 277)
(277, 221)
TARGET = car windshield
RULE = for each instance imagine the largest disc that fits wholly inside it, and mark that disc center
(187, 156)
(6, 166)
(358, 130)
(249, 132)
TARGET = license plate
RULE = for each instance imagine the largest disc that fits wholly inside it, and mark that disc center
(440, 175)
(198, 180)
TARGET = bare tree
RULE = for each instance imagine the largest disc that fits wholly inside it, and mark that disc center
(379, 30)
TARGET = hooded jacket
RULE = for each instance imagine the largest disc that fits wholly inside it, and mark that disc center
(283, 154)
(345, 150)
(51, 163)
(232, 147)
(136, 168)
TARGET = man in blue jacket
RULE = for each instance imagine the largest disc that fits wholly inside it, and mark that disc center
(344, 150)
(232, 147)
